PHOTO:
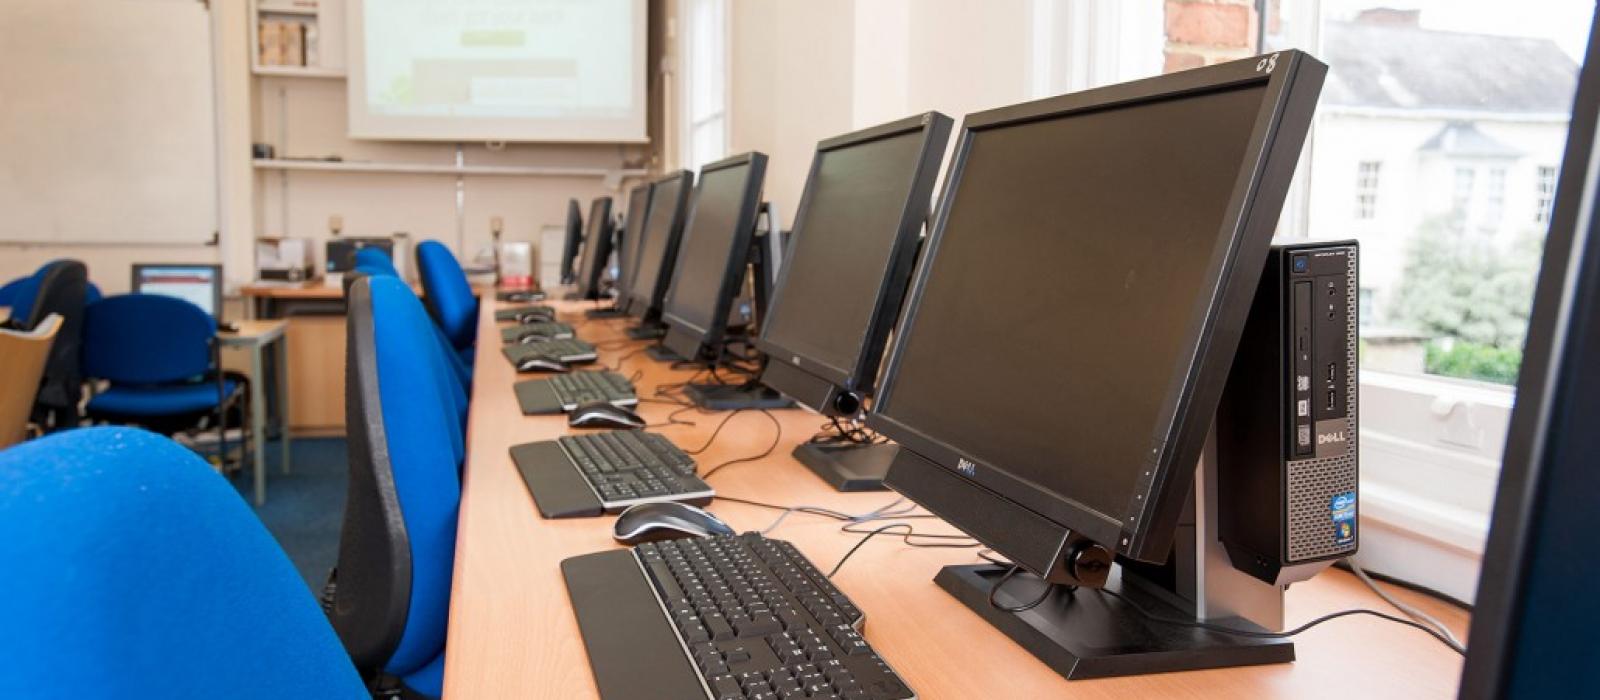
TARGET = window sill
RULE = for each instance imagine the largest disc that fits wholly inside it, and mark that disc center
(1430, 463)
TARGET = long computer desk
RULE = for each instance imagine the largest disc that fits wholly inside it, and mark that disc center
(513, 634)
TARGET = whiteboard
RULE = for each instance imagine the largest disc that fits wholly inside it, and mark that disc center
(107, 126)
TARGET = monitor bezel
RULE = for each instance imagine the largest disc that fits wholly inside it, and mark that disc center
(650, 301)
(632, 237)
(597, 245)
(860, 377)
(1145, 531)
(216, 274)
(738, 254)
(1565, 297)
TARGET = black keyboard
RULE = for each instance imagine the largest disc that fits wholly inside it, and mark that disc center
(760, 622)
(536, 332)
(625, 467)
(520, 312)
(579, 388)
(568, 350)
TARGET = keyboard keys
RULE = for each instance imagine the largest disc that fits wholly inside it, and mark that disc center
(740, 604)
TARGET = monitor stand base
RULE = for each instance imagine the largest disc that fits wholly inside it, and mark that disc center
(1087, 634)
(647, 331)
(606, 312)
(735, 397)
(660, 353)
(848, 467)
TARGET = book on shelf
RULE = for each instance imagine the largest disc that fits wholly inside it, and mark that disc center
(286, 43)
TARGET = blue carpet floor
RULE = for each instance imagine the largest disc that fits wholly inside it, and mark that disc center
(305, 508)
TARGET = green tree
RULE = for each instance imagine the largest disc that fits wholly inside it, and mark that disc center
(1474, 294)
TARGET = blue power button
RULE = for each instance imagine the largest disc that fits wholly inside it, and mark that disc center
(1301, 263)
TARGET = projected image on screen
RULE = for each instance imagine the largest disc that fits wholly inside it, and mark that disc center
(536, 70)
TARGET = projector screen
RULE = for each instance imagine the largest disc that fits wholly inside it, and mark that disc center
(498, 70)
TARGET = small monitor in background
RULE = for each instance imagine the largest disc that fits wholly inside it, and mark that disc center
(200, 285)
(341, 251)
(632, 235)
(714, 256)
(574, 241)
(847, 270)
(658, 251)
(597, 245)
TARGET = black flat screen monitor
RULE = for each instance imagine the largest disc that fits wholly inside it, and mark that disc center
(1532, 630)
(597, 243)
(714, 255)
(573, 241)
(630, 235)
(849, 260)
(1076, 311)
(200, 285)
(658, 252)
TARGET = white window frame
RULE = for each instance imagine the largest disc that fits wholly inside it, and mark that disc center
(1080, 44)
(692, 122)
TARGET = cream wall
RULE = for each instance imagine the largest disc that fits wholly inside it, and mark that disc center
(802, 72)
(790, 85)
(306, 117)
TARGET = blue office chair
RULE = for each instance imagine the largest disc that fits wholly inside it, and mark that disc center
(390, 594)
(136, 572)
(160, 356)
(458, 366)
(373, 260)
(449, 296)
(10, 290)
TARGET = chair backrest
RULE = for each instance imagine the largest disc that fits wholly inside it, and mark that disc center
(448, 294)
(452, 359)
(10, 290)
(146, 339)
(22, 357)
(136, 571)
(397, 546)
(374, 260)
(59, 287)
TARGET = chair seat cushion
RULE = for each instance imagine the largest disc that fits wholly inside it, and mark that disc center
(427, 681)
(163, 400)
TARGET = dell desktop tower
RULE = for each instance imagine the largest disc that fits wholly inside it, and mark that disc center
(1286, 427)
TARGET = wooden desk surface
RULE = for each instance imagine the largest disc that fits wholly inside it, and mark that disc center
(513, 634)
(252, 332)
(310, 289)
(318, 288)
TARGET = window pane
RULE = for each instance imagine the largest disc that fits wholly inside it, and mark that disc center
(1436, 146)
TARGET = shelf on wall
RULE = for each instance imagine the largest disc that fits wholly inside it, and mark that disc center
(443, 169)
(298, 71)
(287, 10)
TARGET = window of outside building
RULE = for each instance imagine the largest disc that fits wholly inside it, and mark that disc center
(1367, 189)
(1466, 104)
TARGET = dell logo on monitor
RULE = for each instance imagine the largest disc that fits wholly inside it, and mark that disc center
(967, 467)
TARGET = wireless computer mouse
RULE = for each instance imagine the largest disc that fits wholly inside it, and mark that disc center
(535, 317)
(653, 522)
(602, 414)
(531, 338)
(540, 363)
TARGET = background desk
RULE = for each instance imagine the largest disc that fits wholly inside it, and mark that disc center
(512, 632)
(253, 337)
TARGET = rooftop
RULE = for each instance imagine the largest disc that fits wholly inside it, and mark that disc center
(1398, 65)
